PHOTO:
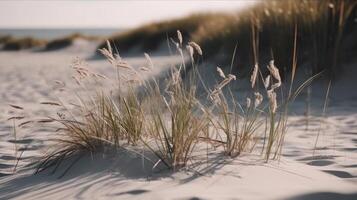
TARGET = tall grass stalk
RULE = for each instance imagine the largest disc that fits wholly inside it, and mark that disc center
(322, 117)
(176, 133)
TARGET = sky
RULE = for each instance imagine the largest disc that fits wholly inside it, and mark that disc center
(104, 14)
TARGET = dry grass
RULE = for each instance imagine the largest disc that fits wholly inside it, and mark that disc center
(169, 119)
(239, 128)
(106, 120)
(271, 24)
(173, 131)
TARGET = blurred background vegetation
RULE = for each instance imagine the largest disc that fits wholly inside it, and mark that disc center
(324, 32)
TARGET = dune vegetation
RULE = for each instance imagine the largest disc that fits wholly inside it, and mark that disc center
(4, 38)
(10, 43)
(67, 41)
(14, 44)
(319, 26)
(170, 118)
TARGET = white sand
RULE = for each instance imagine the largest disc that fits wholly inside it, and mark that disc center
(27, 78)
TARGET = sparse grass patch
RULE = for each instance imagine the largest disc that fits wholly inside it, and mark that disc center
(14, 44)
(67, 41)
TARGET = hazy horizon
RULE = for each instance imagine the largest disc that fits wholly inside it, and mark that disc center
(103, 14)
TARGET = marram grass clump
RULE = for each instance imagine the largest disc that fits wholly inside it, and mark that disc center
(169, 120)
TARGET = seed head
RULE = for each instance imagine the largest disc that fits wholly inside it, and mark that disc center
(258, 99)
(196, 47)
(248, 102)
(274, 71)
(179, 36)
(220, 72)
(149, 61)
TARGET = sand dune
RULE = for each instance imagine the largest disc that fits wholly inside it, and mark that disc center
(28, 78)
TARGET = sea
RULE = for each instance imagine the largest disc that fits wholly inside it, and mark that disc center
(49, 34)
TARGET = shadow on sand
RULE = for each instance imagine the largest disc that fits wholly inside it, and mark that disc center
(325, 196)
(84, 171)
